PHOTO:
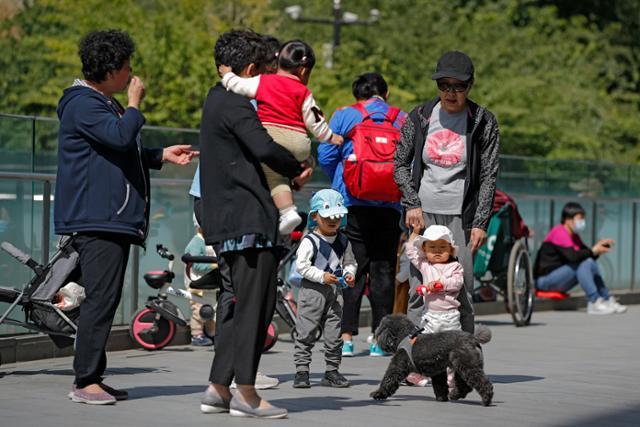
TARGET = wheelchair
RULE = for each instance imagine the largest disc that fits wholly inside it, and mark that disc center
(503, 266)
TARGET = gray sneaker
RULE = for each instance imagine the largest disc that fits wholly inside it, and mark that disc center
(239, 409)
(263, 382)
(211, 403)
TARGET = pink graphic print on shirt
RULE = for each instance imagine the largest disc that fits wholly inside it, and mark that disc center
(445, 148)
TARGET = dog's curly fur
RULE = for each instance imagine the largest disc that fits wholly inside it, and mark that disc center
(432, 354)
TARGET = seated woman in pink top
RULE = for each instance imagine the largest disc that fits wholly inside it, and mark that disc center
(434, 254)
(287, 110)
(564, 261)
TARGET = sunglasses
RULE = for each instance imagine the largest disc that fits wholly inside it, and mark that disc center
(455, 87)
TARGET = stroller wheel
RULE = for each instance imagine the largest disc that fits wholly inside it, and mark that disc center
(149, 333)
(272, 337)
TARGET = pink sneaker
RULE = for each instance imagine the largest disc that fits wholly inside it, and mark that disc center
(418, 380)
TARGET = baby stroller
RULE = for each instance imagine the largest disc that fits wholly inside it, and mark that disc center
(37, 297)
(502, 265)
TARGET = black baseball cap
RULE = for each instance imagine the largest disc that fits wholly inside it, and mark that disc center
(454, 64)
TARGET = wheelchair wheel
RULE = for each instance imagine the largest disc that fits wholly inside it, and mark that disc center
(148, 336)
(520, 287)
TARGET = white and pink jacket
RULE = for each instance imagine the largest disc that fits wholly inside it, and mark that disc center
(450, 275)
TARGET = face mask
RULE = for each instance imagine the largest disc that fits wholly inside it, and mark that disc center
(579, 225)
(4, 225)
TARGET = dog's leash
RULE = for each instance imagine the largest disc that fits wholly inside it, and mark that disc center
(407, 343)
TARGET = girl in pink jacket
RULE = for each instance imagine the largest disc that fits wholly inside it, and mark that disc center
(434, 254)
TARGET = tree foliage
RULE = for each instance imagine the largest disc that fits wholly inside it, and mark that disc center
(561, 76)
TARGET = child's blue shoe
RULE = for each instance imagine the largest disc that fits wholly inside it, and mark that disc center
(375, 350)
(201, 341)
(347, 349)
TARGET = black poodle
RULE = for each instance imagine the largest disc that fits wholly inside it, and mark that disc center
(430, 355)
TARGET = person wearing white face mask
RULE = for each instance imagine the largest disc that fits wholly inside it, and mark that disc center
(564, 261)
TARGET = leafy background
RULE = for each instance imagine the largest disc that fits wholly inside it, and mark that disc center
(562, 76)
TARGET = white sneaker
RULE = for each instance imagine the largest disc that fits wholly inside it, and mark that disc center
(617, 307)
(289, 221)
(263, 382)
(600, 306)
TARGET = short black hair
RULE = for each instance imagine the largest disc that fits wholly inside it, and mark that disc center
(239, 48)
(570, 210)
(295, 54)
(272, 48)
(368, 85)
(102, 52)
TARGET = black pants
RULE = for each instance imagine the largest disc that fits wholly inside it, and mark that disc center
(374, 234)
(103, 262)
(245, 309)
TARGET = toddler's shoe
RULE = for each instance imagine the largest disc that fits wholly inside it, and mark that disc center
(334, 379)
(417, 380)
(201, 341)
(375, 350)
(347, 349)
(599, 307)
(289, 221)
(301, 380)
(617, 307)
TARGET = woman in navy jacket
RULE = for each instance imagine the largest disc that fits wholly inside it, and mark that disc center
(102, 194)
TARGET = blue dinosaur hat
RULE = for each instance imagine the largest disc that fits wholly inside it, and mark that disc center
(327, 203)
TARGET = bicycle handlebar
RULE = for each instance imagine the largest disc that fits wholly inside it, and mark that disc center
(188, 258)
(164, 252)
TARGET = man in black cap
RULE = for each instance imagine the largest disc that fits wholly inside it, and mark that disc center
(452, 181)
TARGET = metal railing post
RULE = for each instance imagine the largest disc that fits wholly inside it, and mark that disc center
(552, 209)
(46, 218)
(634, 234)
(594, 219)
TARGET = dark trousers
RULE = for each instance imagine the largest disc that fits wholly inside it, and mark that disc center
(374, 233)
(245, 309)
(103, 262)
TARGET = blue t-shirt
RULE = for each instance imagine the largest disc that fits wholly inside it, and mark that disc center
(331, 157)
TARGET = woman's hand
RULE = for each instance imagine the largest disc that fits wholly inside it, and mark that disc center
(299, 181)
(414, 219)
(603, 246)
(179, 154)
(478, 237)
(135, 93)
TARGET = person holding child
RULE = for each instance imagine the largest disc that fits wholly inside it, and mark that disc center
(241, 222)
(288, 110)
(327, 265)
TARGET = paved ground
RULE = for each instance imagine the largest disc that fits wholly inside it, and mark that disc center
(566, 369)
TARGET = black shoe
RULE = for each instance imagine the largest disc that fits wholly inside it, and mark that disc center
(301, 380)
(334, 379)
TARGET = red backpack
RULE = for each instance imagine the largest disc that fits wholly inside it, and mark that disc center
(368, 172)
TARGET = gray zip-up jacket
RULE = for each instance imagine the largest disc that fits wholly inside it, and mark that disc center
(483, 141)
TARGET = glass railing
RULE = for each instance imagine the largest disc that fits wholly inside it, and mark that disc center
(609, 193)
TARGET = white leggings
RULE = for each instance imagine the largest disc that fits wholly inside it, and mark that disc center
(438, 321)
